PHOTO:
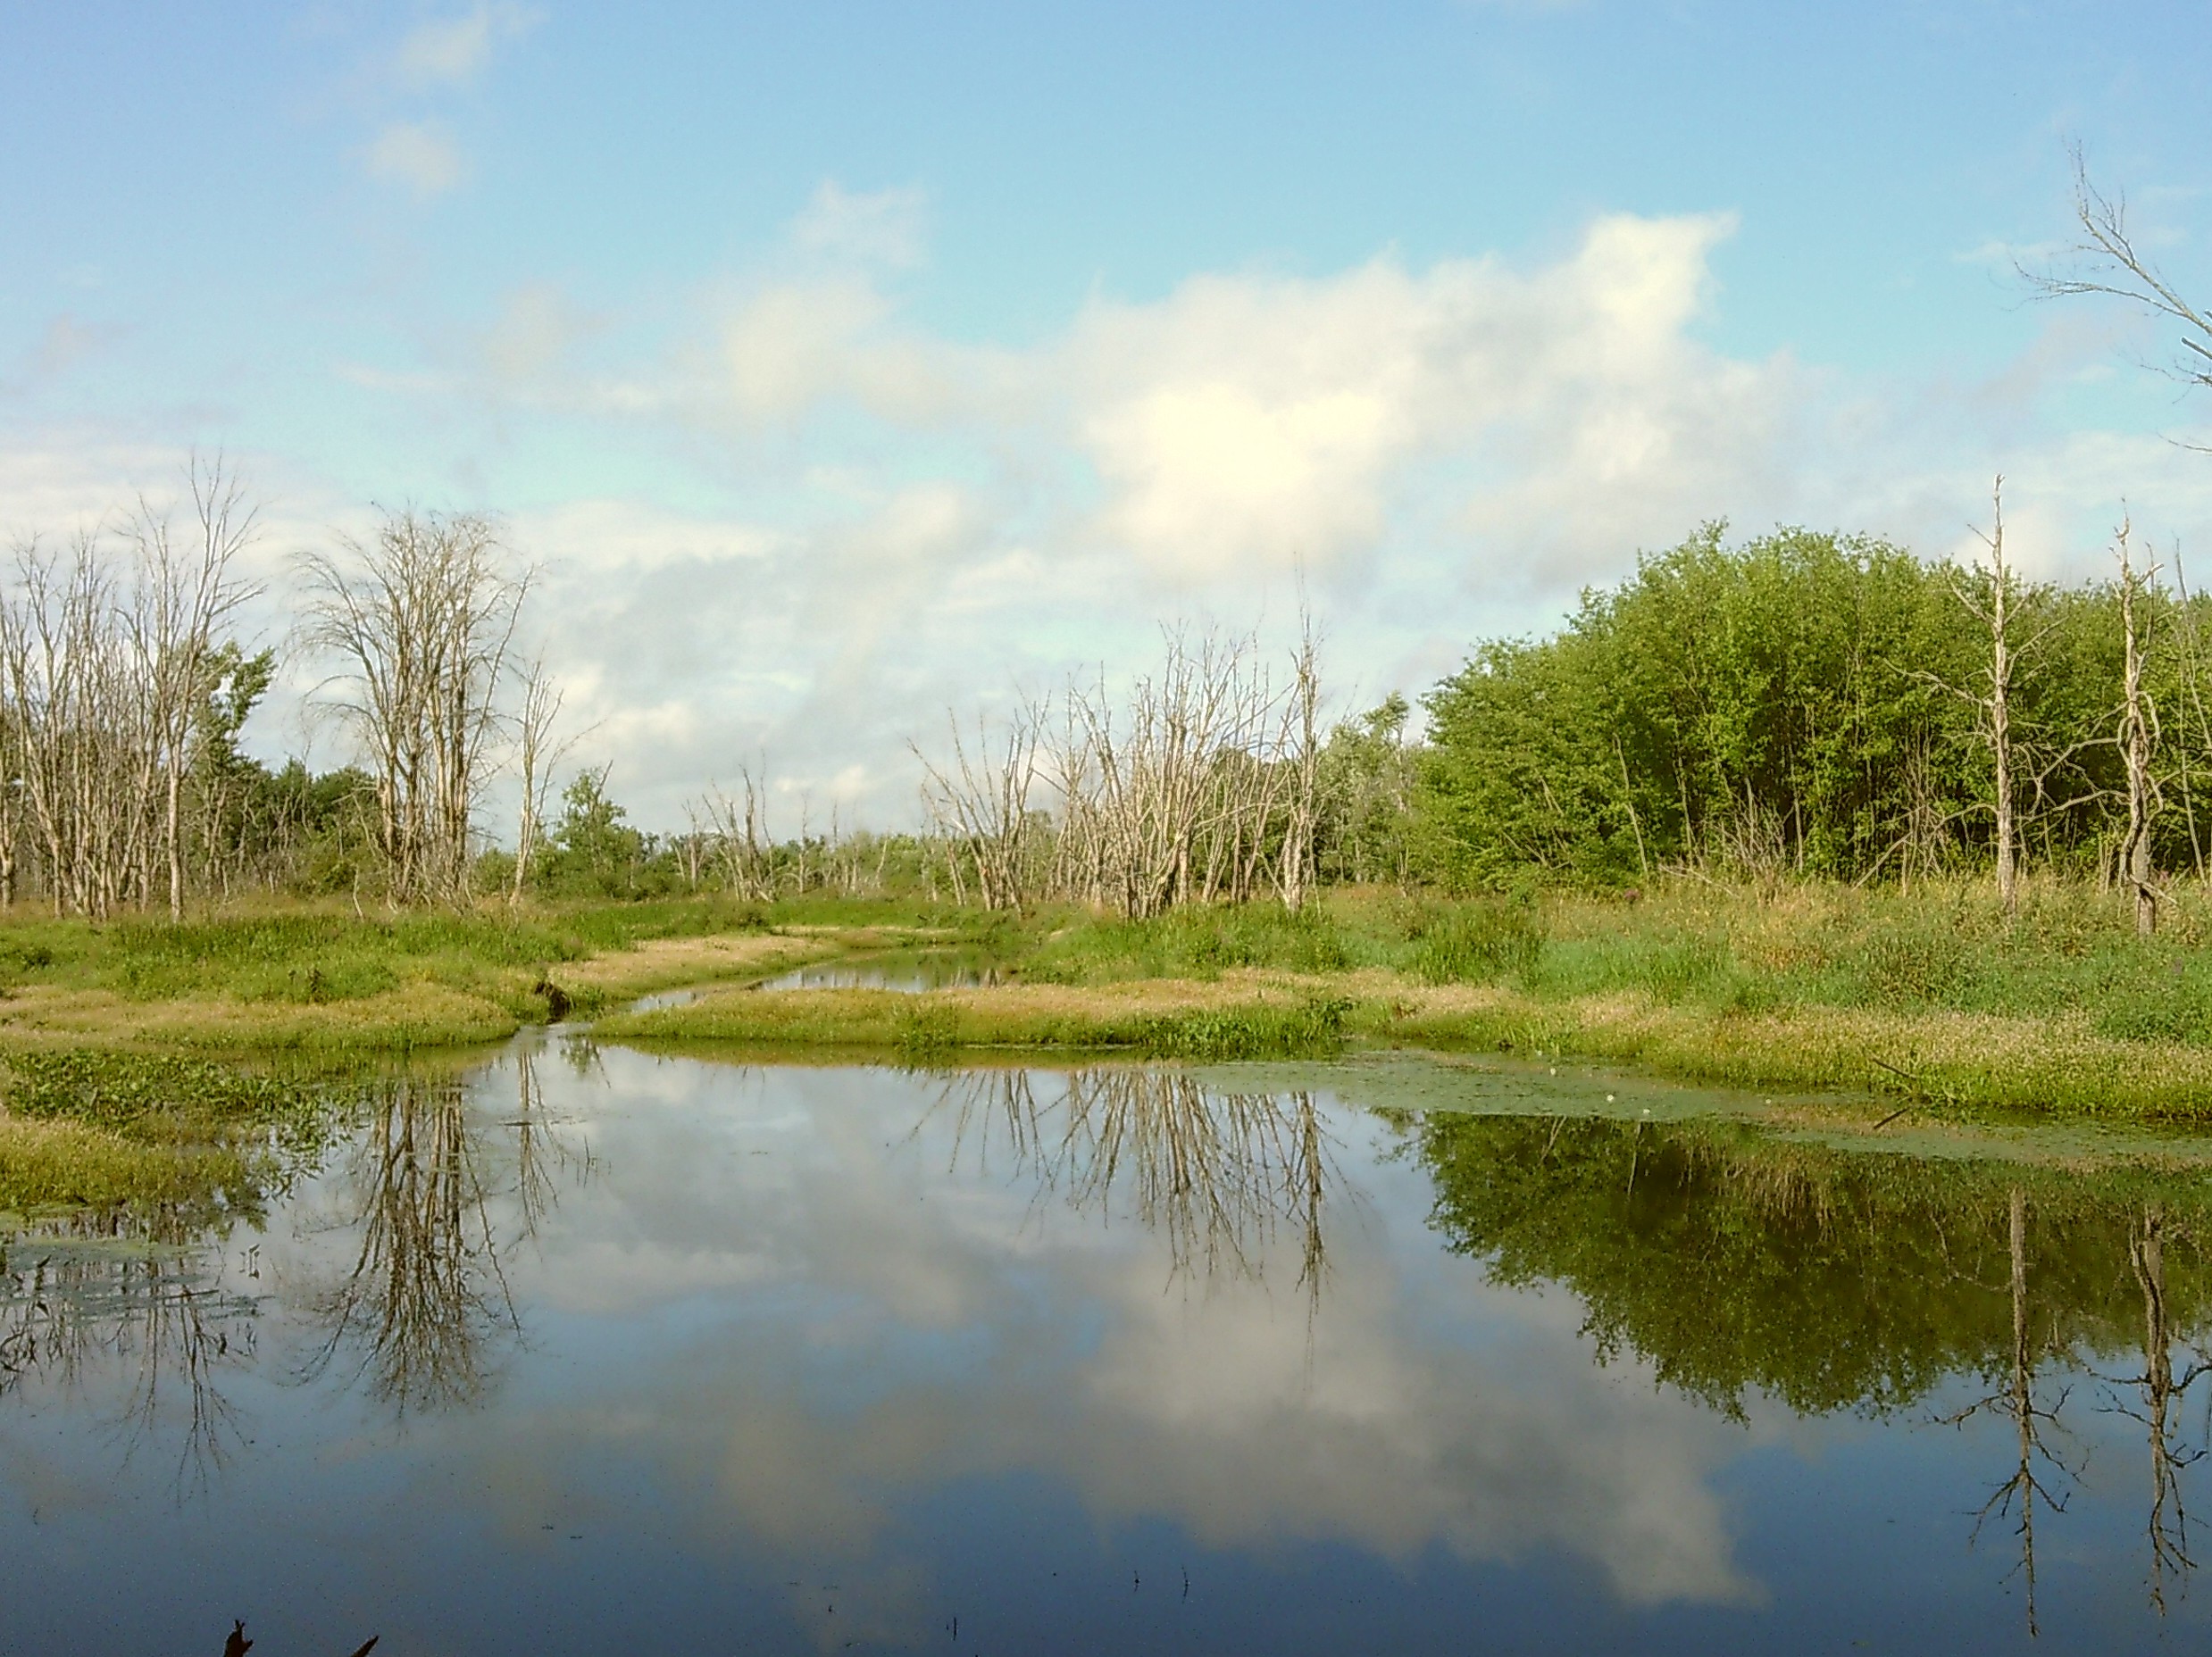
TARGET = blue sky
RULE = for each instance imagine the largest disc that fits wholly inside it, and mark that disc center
(843, 362)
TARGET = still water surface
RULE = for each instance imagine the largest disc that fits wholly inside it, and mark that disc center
(590, 1351)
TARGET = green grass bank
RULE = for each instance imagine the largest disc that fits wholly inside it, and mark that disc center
(1931, 996)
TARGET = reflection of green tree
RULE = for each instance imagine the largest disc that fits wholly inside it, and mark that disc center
(1731, 1261)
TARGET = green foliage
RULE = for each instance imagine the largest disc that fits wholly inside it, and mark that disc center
(595, 852)
(1307, 1029)
(1365, 829)
(1799, 704)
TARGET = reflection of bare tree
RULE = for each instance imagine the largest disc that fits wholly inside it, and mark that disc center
(426, 1290)
(2015, 1400)
(426, 1293)
(1216, 1173)
(150, 1307)
(2162, 1393)
(541, 1155)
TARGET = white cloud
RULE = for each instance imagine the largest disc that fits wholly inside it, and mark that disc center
(419, 154)
(1247, 424)
(450, 51)
(790, 346)
(880, 226)
(1250, 423)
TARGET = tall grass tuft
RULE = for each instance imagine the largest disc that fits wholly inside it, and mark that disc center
(1477, 941)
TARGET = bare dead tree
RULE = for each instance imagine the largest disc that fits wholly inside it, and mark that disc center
(1200, 785)
(741, 843)
(979, 803)
(1295, 861)
(2138, 734)
(2104, 261)
(108, 653)
(1995, 599)
(182, 597)
(421, 618)
(535, 754)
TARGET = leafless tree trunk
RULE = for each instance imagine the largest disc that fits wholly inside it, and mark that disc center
(535, 754)
(2138, 736)
(1201, 785)
(182, 597)
(979, 803)
(1294, 863)
(740, 826)
(103, 682)
(1996, 602)
(421, 619)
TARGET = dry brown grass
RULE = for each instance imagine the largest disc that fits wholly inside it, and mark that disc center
(663, 963)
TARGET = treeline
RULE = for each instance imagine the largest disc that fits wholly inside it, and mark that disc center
(1829, 706)
(1803, 704)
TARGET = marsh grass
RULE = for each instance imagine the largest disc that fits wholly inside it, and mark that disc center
(1785, 984)
(1190, 942)
(54, 1165)
(2071, 952)
(1932, 994)
(86, 1128)
(1165, 1020)
(311, 958)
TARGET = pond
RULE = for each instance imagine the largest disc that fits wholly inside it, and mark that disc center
(588, 1350)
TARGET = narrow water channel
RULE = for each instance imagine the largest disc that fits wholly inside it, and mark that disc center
(588, 1350)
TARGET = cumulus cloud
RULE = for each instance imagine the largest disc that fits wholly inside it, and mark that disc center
(1248, 424)
(790, 346)
(418, 154)
(451, 50)
(1251, 422)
